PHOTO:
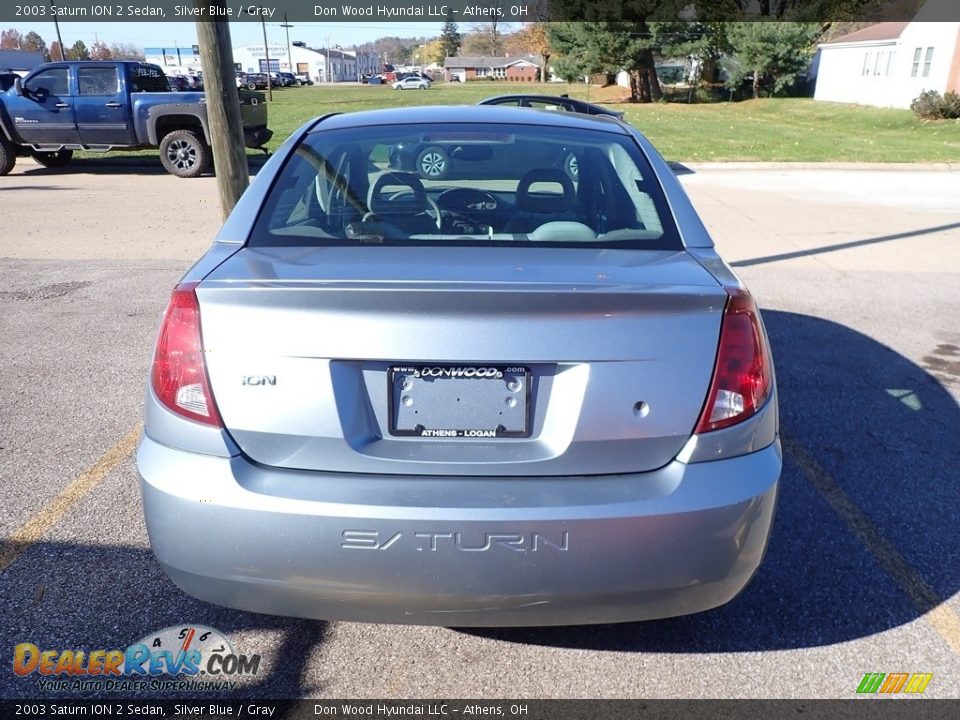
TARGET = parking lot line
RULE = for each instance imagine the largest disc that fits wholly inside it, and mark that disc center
(931, 606)
(48, 516)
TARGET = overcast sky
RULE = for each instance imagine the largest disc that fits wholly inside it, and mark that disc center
(166, 34)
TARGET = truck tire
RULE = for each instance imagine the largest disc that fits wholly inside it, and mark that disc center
(53, 159)
(8, 155)
(184, 154)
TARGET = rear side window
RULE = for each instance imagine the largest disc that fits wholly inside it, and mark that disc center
(467, 184)
(55, 81)
(98, 80)
(147, 78)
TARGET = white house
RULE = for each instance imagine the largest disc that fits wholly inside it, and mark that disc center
(888, 64)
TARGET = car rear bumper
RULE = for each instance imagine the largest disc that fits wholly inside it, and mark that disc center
(459, 551)
(257, 137)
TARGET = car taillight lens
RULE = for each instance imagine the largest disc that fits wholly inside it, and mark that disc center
(179, 372)
(742, 376)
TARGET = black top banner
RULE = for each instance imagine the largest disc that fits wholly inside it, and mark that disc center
(866, 709)
(365, 11)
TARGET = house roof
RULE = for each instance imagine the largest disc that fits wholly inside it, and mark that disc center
(466, 61)
(20, 59)
(874, 33)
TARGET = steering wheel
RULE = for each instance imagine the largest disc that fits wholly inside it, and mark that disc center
(432, 208)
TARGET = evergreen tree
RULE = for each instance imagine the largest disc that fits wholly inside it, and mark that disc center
(774, 53)
(33, 42)
(79, 51)
(450, 38)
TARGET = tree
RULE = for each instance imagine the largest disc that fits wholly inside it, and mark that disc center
(11, 39)
(776, 52)
(56, 52)
(125, 51)
(100, 51)
(487, 38)
(431, 52)
(34, 43)
(79, 51)
(588, 48)
(534, 38)
(450, 38)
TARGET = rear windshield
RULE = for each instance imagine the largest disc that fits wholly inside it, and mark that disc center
(467, 184)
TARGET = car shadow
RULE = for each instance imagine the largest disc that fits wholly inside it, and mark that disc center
(123, 164)
(90, 597)
(865, 423)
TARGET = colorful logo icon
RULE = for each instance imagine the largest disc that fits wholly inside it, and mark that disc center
(911, 683)
(177, 651)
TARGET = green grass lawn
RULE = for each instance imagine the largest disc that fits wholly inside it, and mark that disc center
(762, 130)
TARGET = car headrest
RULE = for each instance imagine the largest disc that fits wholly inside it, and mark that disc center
(558, 196)
(391, 183)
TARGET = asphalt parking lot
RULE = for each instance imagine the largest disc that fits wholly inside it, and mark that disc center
(858, 275)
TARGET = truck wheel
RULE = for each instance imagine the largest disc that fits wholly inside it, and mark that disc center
(184, 154)
(53, 159)
(8, 155)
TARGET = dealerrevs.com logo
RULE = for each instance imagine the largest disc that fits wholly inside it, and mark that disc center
(894, 683)
(177, 658)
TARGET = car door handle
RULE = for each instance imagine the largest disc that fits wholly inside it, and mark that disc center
(114, 104)
(62, 105)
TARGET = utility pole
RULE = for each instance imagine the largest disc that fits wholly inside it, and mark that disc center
(266, 54)
(287, 27)
(223, 108)
(53, 7)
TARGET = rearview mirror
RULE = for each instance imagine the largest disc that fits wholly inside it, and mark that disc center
(18, 86)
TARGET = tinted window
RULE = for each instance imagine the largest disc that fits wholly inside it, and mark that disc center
(147, 78)
(466, 185)
(550, 105)
(54, 81)
(98, 80)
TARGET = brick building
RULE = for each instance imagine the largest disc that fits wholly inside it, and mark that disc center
(519, 68)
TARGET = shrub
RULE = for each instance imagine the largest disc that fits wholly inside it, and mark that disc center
(931, 105)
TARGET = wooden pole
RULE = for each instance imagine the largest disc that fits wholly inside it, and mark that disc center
(266, 53)
(223, 109)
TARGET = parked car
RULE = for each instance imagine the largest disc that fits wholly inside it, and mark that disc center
(304, 78)
(491, 401)
(443, 157)
(112, 105)
(289, 79)
(551, 102)
(179, 83)
(6, 80)
(253, 81)
(411, 83)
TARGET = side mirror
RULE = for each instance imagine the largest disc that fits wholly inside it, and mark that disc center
(18, 86)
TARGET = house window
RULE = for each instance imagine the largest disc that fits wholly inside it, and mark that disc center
(876, 64)
(866, 64)
(916, 62)
(890, 62)
(926, 62)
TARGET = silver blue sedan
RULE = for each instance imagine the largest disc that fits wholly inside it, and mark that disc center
(516, 395)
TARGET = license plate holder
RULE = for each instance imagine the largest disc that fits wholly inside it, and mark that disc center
(459, 401)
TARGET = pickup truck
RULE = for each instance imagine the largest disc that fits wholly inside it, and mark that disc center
(115, 105)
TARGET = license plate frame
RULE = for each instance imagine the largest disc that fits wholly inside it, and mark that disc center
(408, 383)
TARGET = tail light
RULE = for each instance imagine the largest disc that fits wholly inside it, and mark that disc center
(742, 376)
(179, 371)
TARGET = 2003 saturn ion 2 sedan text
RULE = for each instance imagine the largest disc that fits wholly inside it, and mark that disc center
(528, 394)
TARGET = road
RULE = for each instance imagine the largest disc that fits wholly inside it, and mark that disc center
(858, 274)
